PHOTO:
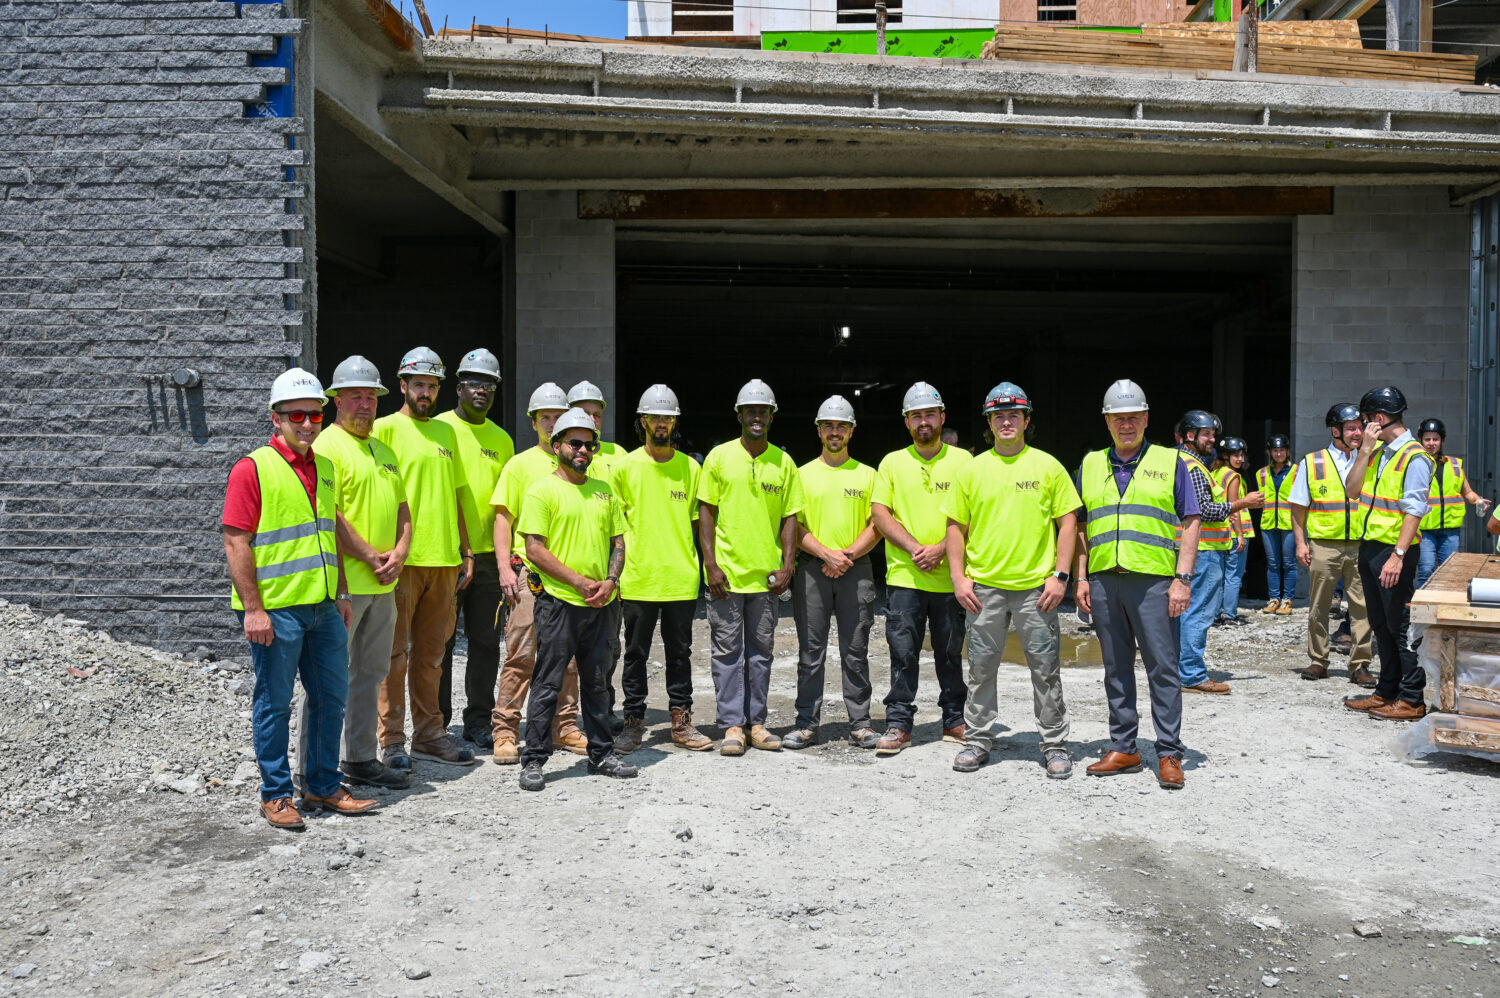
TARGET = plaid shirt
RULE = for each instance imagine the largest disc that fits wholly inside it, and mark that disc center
(1203, 489)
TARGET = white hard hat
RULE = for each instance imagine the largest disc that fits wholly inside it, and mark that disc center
(356, 372)
(480, 361)
(421, 360)
(585, 391)
(1124, 396)
(547, 396)
(835, 409)
(295, 384)
(574, 419)
(921, 396)
(658, 400)
(756, 392)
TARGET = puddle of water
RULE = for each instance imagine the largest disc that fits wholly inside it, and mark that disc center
(1077, 651)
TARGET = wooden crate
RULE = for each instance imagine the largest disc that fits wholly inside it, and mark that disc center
(1469, 733)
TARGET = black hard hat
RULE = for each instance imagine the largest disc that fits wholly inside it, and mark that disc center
(1278, 440)
(1433, 426)
(1341, 413)
(1199, 419)
(1387, 399)
(1231, 445)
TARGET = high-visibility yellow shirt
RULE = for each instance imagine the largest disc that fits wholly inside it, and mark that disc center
(1010, 506)
(914, 490)
(427, 451)
(370, 495)
(753, 496)
(579, 523)
(1276, 514)
(483, 450)
(838, 501)
(1446, 498)
(518, 475)
(659, 500)
(606, 457)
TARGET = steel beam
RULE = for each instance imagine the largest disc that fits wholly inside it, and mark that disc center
(1484, 342)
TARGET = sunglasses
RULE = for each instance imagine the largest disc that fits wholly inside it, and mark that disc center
(473, 384)
(582, 444)
(298, 415)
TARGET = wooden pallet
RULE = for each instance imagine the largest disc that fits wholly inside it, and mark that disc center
(1469, 733)
(1445, 597)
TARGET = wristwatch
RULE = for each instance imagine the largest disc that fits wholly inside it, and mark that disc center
(1185, 578)
(1062, 577)
(1400, 553)
(342, 596)
(613, 578)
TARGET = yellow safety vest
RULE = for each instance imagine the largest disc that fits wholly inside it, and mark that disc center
(1379, 497)
(1276, 514)
(1247, 524)
(296, 553)
(1330, 510)
(1215, 535)
(1447, 496)
(1136, 531)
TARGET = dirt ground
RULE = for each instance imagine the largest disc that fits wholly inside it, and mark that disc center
(825, 872)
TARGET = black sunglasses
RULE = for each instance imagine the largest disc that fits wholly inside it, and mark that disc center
(582, 444)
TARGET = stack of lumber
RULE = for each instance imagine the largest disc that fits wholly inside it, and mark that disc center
(1292, 49)
(1463, 640)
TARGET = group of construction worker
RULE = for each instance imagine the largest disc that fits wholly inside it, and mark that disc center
(351, 564)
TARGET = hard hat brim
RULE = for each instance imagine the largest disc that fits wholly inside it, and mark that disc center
(334, 390)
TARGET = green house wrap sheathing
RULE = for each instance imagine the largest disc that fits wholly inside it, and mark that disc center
(931, 43)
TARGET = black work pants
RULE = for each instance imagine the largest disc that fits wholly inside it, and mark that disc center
(676, 619)
(478, 603)
(908, 614)
(1389, 610)
(564, 632)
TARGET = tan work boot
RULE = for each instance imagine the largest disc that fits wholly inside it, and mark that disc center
(506, 752)
(1271, 607)
(762, 739)
(571, 741)
(1285, 609)
(631, 736)
(684, 734)
(734, 742)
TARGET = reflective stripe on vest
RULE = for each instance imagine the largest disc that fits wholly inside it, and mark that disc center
(1135, 531)
(1213, 535)
(1446, 499)
(1380, 498)
(296, 554)
(1276, 514)
(1330, 511)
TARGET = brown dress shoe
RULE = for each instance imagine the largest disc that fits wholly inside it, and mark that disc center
(762, 739)
(281, 814)
(1169, 772)
(571, 741)
(340, 800)
(892, 742)
(1362, 676)
(1208, 686)
(1314, 671)
(1116, 762)
(955, 735)
(1400, 710)
(1366, 703)
(687, 736)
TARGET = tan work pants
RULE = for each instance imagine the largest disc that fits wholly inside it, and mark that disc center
(425, 612)
(1331, 561)
(515, 676)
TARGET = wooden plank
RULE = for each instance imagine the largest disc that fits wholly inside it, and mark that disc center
(1450, 583)
(1137, 202)
(1459, 616)
(1309, 34)
(1478, 693)
(1447, 667)
(1469, 732)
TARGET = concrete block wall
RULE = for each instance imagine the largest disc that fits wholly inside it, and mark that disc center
(565, 300)
(144, 227)
(1380, 296)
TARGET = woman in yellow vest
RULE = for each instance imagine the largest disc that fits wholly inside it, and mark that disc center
(1227, 470)
(1443, 525)
(1275, 483)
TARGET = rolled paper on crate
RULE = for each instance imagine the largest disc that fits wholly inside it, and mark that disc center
(1484, 592)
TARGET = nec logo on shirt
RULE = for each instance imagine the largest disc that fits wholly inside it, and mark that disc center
(1028, 486)
(327, 482)
(1160, 476)
(677, 495)
(605, 497)
(770, 488)
(444, 452)
(391, 469)
(854, 493)
(493, 455)
(941, 486)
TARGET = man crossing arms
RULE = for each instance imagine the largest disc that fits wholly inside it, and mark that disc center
(657, 489)
(907, 506)
(1012, 523)
(749, 495)
(834, 577)
(440, 565)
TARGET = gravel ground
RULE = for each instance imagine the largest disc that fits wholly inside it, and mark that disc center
(134, 862)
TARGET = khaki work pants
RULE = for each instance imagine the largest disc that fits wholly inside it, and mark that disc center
(425, 611)
(516, 672)
(1331, 561)
(999, 608)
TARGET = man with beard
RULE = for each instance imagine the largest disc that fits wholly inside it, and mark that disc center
(483, 450)
(374, 531)
(440, 565)
(1012, 523)
(1196, 434)
(834, 578)
(547, 403)
(749, 495)
(575, 541)
(907, 507)
(656, 487)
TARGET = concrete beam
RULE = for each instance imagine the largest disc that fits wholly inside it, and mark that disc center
(1080, 181)
(678, 237)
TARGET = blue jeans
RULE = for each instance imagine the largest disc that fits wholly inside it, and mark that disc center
(1208, 596)
(1436, 546)
(310, 641)
(1234, 577)
(1281, 563)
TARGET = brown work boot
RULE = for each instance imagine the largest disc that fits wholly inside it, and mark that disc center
(1271, 607)
(1370, 702)
(1115, 763)
(447, 750)
(506, 752)
(687, 736)
(1362, 676)
(734, 741)
(1400, 710)
(1314, 671)
(631, 736)
(955, 735)
(1169, 772)
(762, 739)
(1208, 686)
(892, 742)
(571, 741)
(1285, 609)
(340, 800)
(280, 813)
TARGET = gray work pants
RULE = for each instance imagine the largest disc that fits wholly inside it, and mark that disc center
(1130, 612)
(370, 638)
(816, 601)
(742, 630)
(1039, 640)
